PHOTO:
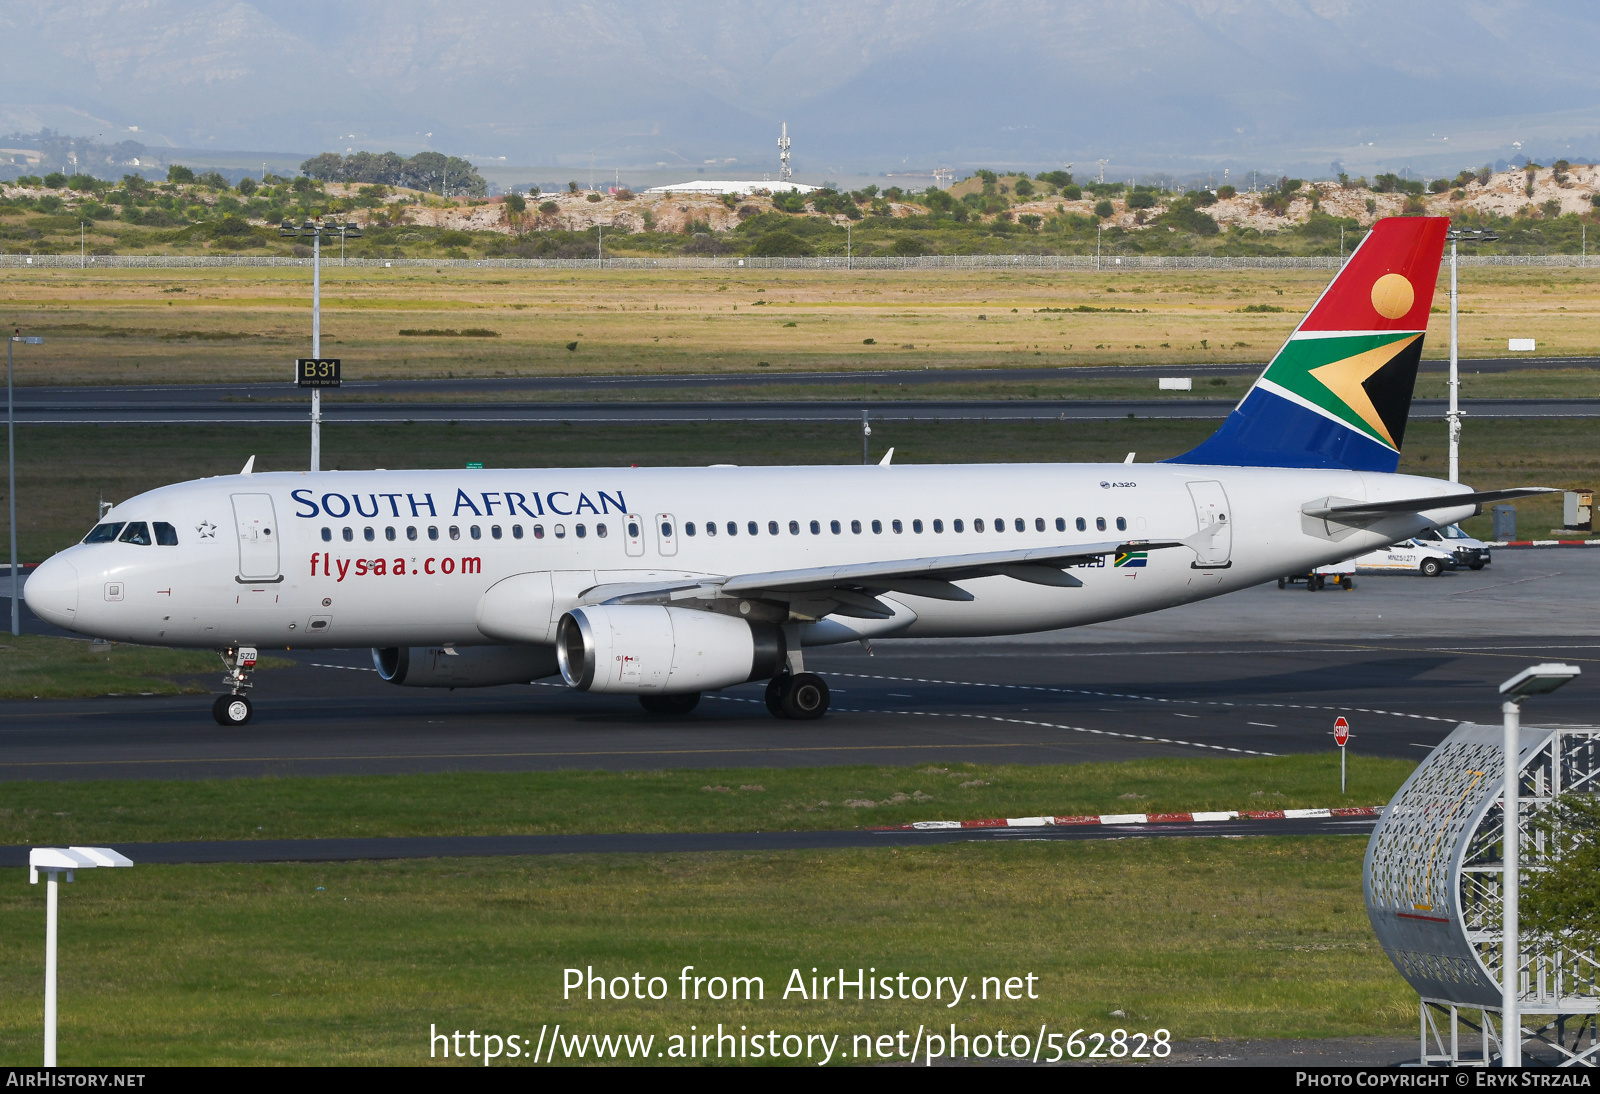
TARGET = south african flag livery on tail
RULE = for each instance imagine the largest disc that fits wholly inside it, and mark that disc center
(1338, 393)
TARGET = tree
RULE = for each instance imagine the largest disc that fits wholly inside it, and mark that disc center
(1103, 209)
(55, 180)
(1563, 902)
(179, 173)
(214, 180)
(328, 167)
(1024, 187)
(572, 187)
(247, 186)
(1141, 199)
(515, 204)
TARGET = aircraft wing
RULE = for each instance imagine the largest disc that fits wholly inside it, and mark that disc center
(853, 589)
(1361, 512)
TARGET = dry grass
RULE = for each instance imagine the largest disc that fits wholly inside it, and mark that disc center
(152, 326)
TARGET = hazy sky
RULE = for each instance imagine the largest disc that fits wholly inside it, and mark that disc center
(1181, 85)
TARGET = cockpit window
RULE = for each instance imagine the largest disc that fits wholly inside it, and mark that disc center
(103, 533)
(137, 532)
(166, 534)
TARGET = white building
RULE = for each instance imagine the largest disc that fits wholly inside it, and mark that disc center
(702, 186)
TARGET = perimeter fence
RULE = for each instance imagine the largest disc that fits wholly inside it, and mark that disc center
(1107, 263)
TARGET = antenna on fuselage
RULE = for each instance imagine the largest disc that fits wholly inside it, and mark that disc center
(249, 466)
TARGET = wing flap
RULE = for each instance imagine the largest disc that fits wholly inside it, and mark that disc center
(1376, 510)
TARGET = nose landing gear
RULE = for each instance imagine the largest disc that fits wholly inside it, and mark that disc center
(802, 696)
(235, 708)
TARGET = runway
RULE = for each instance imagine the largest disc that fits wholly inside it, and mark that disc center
(644, 399)
(659, 843)
(1263, 671)
(335, 412)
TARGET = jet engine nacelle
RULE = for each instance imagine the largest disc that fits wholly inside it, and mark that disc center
(467, 667)
(639, 649)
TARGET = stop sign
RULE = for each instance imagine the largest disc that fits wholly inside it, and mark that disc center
(1341, 731)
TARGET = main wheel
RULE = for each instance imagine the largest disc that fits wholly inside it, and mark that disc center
(777, 690)
(1347, 583)
(670, 704)
(1311, 584)
(807, 697)
(1283, 582)
(232, 710)
(1431, 567)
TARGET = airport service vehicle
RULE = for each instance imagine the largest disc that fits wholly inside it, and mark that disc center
(665, 583)
(1412, 555)
(1341, 574)
(1468, 552)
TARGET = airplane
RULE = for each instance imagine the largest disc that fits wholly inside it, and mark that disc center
(665, 583)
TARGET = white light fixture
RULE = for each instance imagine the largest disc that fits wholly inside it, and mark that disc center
(1534, 680)
(54, 861)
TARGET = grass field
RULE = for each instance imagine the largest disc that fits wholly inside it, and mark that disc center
(710, 800)
(41, 667)
(63, 472)
(153, 326)
(351, 963)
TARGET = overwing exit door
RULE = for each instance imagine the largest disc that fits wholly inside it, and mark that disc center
(257, 525)
(1213, 542)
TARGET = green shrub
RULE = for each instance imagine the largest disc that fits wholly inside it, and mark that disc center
(1227, 192)
(247, 186)
(1103, 209)
(55, 180)
(781, 244)
(1024, 187)
(515, 203)
(453, 239)
(548, 207)
(179, 173)
(1141, 199)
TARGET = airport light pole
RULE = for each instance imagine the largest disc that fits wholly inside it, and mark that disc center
(1537, 680)
(316, 231)
(55, 861)
(11, 471)
(1458, 235)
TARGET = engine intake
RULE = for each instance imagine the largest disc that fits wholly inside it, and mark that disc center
(467, 667)
(640, 649)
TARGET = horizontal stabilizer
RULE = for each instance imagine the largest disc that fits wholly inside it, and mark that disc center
(1357, 513)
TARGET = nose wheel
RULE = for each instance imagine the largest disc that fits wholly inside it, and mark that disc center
(232, 710)
(802, 696)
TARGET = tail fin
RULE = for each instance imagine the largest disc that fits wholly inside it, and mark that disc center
(1339, 391)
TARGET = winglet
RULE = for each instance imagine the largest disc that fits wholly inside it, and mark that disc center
(249, 466)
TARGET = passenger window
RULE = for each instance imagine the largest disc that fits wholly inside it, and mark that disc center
(977, 525)
(816, 528)
(956, 525)
(877, 527)
(106, 533)
(711, 528)
(1122, 524)
(938, 527)
(1061, 524)
(494, 532)
(561, 531)
(794, 528)
(600, 530)
(137, 533)
(166, 534)
(433, 532)
(666, 530)
(753, 528)
(1000, 524)
(733, 528)
(1100, 523)
(538, 531)
(772, 527)
(855, 527)
(688, 528)
(1081, 525)
(348, 534)
(327, 535)
(455, 533)
(476, 532)
(897, 526)
(388, 534)
(516, 531)
(833, 526)
(367, 534)
(583, 532)
(411, 532)
(916, 526)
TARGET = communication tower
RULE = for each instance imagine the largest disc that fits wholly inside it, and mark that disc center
(783, 155)
(1102, 164)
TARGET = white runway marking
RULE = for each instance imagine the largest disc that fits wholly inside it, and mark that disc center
(346, 668)
(1148, 698)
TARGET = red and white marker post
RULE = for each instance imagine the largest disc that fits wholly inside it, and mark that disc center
(1341, 737)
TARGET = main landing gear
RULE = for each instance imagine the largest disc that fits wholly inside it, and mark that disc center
(802, 696)
(235, 708)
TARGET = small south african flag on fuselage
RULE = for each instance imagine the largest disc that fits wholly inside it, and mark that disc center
(1131, 558)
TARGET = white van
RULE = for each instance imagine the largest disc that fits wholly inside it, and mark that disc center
(1409, 555)
(1469, 552)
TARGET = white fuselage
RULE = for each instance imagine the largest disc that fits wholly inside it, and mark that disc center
(399, 558)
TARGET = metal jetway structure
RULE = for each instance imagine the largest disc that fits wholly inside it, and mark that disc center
(1433, 889)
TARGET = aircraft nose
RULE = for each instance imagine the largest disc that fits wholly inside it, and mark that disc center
(51, 592)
